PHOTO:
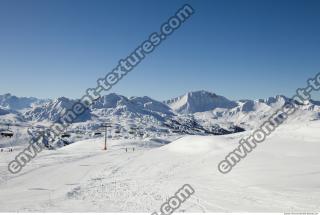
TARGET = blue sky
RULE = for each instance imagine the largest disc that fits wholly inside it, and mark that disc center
(238, 49)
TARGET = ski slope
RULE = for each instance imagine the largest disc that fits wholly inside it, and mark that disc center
(281, 175)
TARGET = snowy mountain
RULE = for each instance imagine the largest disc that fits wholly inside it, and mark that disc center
(53, 110)
(4, 112)
(110, 101)
(199, 101)
(12, 102)
(152, 105)
(117, 104)
(251, 113)
(197, 112)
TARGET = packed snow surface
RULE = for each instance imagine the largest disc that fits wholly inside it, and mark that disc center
(137, 175)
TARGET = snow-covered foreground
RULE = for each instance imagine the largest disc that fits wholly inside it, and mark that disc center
(280, 175)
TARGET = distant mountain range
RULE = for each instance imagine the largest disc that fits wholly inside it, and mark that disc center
(15, 103)
(193, 112)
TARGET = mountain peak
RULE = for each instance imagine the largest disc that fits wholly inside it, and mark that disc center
(199, 101)
(202, 93)
(12, 102)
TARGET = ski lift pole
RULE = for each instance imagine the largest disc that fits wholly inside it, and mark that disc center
(105, 126)
(105, 138)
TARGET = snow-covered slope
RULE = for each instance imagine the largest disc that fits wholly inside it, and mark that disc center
(199, 101)
(251, 113)
(150, 157)
(12, 102)
(110, 101)
(152, 105)
(197, 112)
(143, 105)
(53, 111)
(143, 112)
(4, 111)
(280, 175)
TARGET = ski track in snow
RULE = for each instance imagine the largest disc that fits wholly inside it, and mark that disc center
(280, 175)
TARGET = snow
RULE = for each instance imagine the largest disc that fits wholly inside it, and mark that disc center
(19, 103)
(199, 101)
(281, 175)
(143, 168)
(4, 112)
(208, 111)
(188, 145)
(54, 110)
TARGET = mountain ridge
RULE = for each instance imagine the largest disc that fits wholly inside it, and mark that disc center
(202, 110)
